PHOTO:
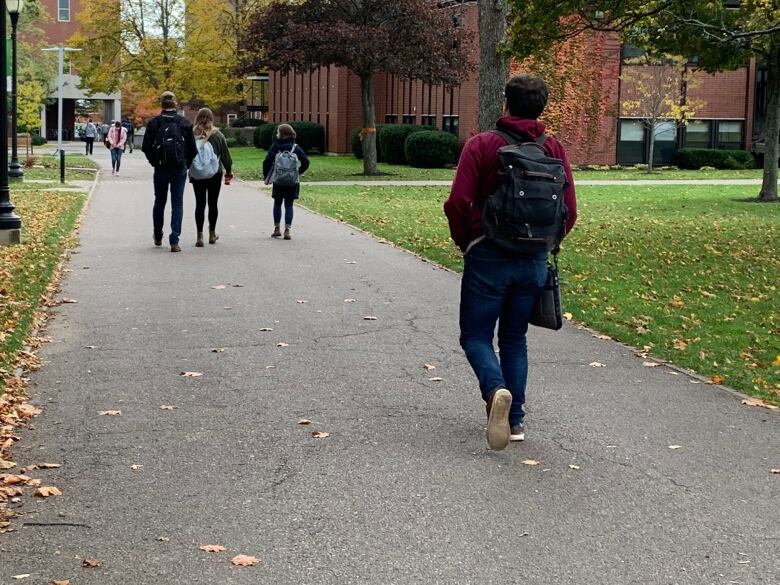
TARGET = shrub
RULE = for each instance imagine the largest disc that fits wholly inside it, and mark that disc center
(357, 144)
(431, 149)
(37, 140)
(391, 141)
(264, 135)
(696, 158)
(310, 136)
(231, 141)
(246, 122)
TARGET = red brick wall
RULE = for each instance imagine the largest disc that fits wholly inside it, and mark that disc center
(58, 32)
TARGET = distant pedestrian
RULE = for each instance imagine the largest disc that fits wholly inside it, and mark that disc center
(128, 125)
(212, 160)
(501, 282)
(99, 133)
(104, 131)
(282, 167)
(117, 137)
(90, 133)
(169, 146)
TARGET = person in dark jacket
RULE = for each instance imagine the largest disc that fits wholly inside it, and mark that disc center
(285, 141)
(499, 286)
(127, 124)
(169, 174)
(207, 190)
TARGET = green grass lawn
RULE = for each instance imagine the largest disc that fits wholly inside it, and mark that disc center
(687, 271)
(248, 163)
(26, 269)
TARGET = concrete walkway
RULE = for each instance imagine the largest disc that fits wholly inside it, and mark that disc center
(645, 475)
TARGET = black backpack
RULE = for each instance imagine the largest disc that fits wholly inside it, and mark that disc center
(526, 214)
(169, 144)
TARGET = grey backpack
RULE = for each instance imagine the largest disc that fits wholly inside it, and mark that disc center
(285, 173)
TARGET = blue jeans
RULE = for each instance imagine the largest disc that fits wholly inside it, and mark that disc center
(116, 158)
(288, 210)
(499, 287)
(176, 179)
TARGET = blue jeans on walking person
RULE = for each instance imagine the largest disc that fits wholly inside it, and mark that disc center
(116, 159)
(163, 179)
(288, 210)
(501, 287)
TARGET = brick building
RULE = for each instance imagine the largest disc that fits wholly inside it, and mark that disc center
(60, 26)
(731, 115)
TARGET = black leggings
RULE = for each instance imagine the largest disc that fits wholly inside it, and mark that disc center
(207, 189)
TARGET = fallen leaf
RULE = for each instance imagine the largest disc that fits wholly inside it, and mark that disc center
(743, 562)
(319, 434)
(244, 560)
(136, 466)
(436, 379)
(163, 539)
(9, 479)
(65, 582)
(46, 491)
(7, 464)
(717, 379)
(168, 407)
(90, 563)
(597, 365)
(677, 303)
(34, 482)
(679, 344)
(191, 374)
(304, 421)
(429, 367)
(69, 301)
(777, 361)
(530, 462)
(574, 466)
(266, 329)
(777, 471)
(301, 302)
(370, 318)
(238, 286)
(673, 447)
(23, 576)
(90, 347)
(110, 413)
(650, 364)
(218, 286)
(602, 336)
(269, 367)
(349, 300)
(27, 410)
(48, 465)
(212, 548)
(282, 344)
(351, 262)
(568, 316)
(217, 350)
(759, 402)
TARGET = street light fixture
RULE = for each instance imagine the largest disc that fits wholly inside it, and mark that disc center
(10, 223)
(14, 9)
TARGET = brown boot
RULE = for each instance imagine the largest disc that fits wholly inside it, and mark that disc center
(277, 232)
(199, 242)
(213, 237)
(287, 235)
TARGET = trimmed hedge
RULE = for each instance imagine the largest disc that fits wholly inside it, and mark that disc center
(37, 140)
(357, 144)
(246, 122)
(431, 149)
(309, 135)
(695, 158)
(391, 139)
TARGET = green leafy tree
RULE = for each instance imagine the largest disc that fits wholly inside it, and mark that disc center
(410, 38)
(723, 37)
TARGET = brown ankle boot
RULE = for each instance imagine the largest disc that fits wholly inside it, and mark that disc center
(199, 242)
(287, 235)
(213, 237)
(277, 232)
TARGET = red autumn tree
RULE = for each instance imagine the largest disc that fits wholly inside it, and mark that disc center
(413, 39)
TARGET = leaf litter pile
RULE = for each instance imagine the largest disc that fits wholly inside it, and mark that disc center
(28, 278)
(690, 272)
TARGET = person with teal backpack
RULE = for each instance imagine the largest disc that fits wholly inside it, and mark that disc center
(282, 168)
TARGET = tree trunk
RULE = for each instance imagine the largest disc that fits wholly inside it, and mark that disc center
(493, 66)
(651, 150)
(772, 128)
(369, 127)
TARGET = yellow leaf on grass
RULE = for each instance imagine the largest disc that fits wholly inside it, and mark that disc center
(530, 462)
(212, 548)
(568, 316)
(777, 361)
(717, 379)
(110, 413)
(679, 344)
(46, 491)
(244, 560)
(319, 434)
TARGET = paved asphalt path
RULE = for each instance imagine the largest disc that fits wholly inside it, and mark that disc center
(404, 489)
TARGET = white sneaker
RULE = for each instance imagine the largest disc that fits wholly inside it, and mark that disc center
(498, 419)
(517, 433)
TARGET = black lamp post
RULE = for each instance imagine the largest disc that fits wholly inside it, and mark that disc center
(14, 8)
(10, 223)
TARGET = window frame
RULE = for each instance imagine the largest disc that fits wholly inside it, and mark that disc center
(60, 10)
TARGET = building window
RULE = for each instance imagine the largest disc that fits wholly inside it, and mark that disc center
(410, 119)
(391, 118)
(631, 142)
(450, 124)
(698, 134)
(729, 135)
(665, 145)
(631, 52)
(63, 10)
(428, 120)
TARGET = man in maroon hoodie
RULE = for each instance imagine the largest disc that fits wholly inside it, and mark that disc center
(500, 286)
